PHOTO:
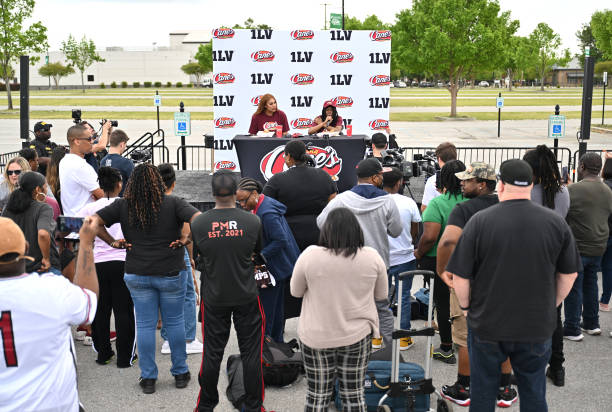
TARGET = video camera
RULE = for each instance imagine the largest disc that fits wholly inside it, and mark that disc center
(77, 118)
(422, 163)
(427, 163)
(141, 155)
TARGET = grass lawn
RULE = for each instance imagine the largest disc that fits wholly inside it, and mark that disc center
(109, 101)
(431, 117)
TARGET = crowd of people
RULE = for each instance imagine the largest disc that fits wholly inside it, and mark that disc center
(513, 250)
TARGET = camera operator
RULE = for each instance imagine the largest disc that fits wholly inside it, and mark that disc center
(118, 143)
(380, 142)
(99, 143)
(42, 145)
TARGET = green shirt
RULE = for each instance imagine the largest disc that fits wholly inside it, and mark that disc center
(438, 211)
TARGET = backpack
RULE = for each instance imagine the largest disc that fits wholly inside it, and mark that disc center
(281, 362)
(235, 381)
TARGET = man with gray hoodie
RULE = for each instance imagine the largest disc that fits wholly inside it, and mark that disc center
(378, 216)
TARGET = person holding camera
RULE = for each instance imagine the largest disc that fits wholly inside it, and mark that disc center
(42, 144)
(328, 121)
(267, 117)
(99, 143)
(118, 143)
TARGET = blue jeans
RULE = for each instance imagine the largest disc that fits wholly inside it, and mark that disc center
(528, 362)
(152, 295)
(582, 299)
(189, 310)
(393, 273)
(606, 274)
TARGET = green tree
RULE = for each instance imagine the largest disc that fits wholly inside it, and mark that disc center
(585, 38)
(250, 24)
(601, 26)
(452, 38)
(204, 57)
(519, 56)
(80, 54)
(369, 23)
(546, 43)
(194, 69)
(17, 40)
(56, 70)
(601, 67)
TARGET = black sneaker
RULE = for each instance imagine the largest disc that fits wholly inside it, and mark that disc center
(557, 375)
(456, 393)
(181, 381)
(506, 397)
(446, 356)
(105, 359)
(147, 385)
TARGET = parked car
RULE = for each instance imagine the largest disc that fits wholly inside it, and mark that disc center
(401, 84)
(391, 84)
(414, 84)
(206, 83)
(483, 83)
(426, 84)
(440, 84)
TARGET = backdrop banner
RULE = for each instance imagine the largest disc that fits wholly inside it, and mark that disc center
(302, 69)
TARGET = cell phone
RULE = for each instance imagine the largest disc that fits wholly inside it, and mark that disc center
(564, 174)
(69, 224)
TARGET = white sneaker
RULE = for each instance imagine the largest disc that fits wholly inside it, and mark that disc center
(195, 346)
(80, 335)
(594, 332)
(87, 341)
(165, 349)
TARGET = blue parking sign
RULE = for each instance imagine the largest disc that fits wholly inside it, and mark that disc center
(182, 126)
(557, 128)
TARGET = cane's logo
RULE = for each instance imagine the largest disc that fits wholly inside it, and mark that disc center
(270, 125)
(301, 123)
(255, 100)
(224, 122)
(224, 78)
(380, 80)
(262, 56)
(324, 158)
(343, 101)
(223, 33)
(342, 57)
(379, 124)
(302, 34)
(225, 165)
(302, 79)
(380, 35)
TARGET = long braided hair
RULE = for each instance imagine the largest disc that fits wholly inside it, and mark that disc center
(449, 181)
(144, 194)
(545, 172)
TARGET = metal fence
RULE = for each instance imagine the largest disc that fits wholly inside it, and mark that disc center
(197, 157)
(4, 159)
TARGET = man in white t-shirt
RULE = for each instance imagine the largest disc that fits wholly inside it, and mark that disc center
(37, 363)
(78, 181)
(445, 152)
(401, 249)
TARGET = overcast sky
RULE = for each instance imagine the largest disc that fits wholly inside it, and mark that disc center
(140, 23)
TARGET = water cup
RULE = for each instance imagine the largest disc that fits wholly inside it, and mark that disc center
(349, 130)
(279, 131)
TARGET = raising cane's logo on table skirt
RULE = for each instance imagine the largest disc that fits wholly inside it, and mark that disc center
(379, 124)
(301, 123)
(302, 79)
(223, 33)
(262, 56)
(255, 100)
(225, 165)
(343, 101)
(302, 34)
(380, 35)
(224, 78)
(380, 80)
(224, 123)
(325, 158)
(342, 57)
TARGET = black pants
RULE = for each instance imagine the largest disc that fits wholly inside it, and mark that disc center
(114, 296)
(556, 357)
(441, 299)
(249, 322)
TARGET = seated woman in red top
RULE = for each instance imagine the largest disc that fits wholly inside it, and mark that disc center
(332, 122)
(267, 116)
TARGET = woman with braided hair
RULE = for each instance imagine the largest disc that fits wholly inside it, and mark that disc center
(279, 248)
(151, 222)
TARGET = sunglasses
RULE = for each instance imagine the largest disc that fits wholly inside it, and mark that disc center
(13, 172)
(89, 139)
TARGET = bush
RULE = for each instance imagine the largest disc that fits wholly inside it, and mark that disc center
(124, 84)
(157, 84)
(136, 84)
(102, 86)
(147, 84)
(113, 85)
(179, 84)
(14, 87)
(189, 84)
(169, 84)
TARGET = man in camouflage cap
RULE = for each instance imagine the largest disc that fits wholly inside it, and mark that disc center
(480, 171)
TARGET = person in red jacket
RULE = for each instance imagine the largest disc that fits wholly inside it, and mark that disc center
(267, 116)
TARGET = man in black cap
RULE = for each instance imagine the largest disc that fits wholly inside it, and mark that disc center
(513, 265)
(43, 145)
(378, 216)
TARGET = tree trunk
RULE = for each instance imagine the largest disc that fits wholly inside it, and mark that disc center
(473, 78)
(509, 80)
(8, 93)
(454, 88)
(82, 82)
(56, 81)
(542, 81)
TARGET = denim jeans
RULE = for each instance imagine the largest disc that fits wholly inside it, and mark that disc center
(582, 299)
(606, 273)
(528, 362)
(152, 295)
(189, 311)
(393, 273)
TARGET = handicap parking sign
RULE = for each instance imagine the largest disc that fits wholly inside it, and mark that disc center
(557, 128)
(182, 126)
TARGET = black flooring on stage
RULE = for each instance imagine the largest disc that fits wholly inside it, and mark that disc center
(195, 187)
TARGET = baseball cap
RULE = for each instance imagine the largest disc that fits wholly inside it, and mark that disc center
(369, 167)
(42, 126)
(11, 241)
(480, 170)
(329, 103)
(516, 172)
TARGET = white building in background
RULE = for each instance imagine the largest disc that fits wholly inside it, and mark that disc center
(159, 64)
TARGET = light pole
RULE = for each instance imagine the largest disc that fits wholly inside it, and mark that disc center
(325, 14)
